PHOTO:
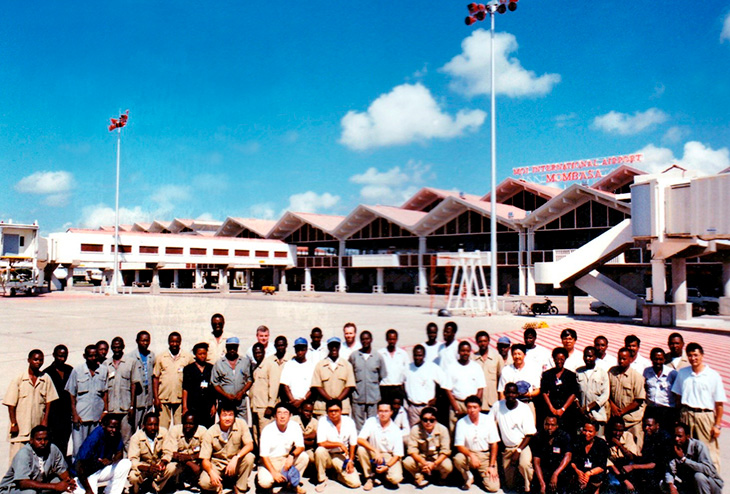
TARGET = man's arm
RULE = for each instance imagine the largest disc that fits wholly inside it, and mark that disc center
(14, 429)
(717, 428)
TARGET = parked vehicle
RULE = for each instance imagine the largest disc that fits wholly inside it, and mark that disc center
(702, 305)
(602, 309)
(545, 307)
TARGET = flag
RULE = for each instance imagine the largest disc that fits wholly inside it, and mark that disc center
(118, 123)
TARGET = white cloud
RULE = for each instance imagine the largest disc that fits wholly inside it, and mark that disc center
(565, 120)
(659, 89)
(167, 196)
(311, 202)
(725, 34)
(263, 211)
(675, 134)
(102, 215)
(697, 156)
(56, 200)
(391, 186)
(615, 122)
(46, 183)
(210, 181)
(471, 68)
(407, 113)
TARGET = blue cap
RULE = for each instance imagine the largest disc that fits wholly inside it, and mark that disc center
(233, 341)
(503, 340)
(523, 387)
(334, 339)
(300, 341)
(292, 476)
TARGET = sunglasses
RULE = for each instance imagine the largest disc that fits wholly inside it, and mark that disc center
(428, 420)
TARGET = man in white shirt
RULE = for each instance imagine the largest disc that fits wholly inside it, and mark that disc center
(537, 356)
(603, 359)
(448, 352)
(349, 332)
(466, 378)
(518, 371)
(595, 389)
(396, 362)
(263, 335)
(702, 397)
(477, 443)
(516, 424)
(381, 448)
(658, 382)
(337, 440)
(420, 384)
(638, 363)
(315, 351)
(296, 376)
(281, 447)
(432, 344)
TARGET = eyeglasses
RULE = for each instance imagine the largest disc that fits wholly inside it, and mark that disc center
(428, 420)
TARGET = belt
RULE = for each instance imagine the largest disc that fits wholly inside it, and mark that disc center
(526, 400)
(697, 410)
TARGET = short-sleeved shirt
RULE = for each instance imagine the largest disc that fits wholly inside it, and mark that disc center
(560, 388)
(308, 429)
(700, 390)
(146, 451)
(89, 391)
(345, 351)
(540, 357)
(316, 354)
(264, 391)
(596, 457)
(616, 455)
(678, 362)
(551, 449)
(594, 386)
(395, 366)
(327, 432)
(216, 347)
(574, 360)
(492, 365)
(511, 374)
(145, 367)
(298, 377)
(275, 443)
(432, 351)
(98, 446)
(420, 383)
(513, 424)
(606, 362)
(640, 364)
(216, 446)
(169, 370)
(27, 465)
(447, 354)
(29, 401)
(198, 385)
(625, 388)
(476, 437)
(370, 371)
(120, 381)
(659, 388)
(465, 380)
(176, 442)
(388, 439)
(429, 445)
(333, 377)
(232, 380)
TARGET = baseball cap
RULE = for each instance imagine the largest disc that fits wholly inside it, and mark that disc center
(503, 340)
(334, 339)
(300, 342)
(233, 340)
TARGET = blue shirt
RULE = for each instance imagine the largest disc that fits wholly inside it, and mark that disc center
(97, 446)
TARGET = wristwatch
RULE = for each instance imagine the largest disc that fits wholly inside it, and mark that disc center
(519, 450)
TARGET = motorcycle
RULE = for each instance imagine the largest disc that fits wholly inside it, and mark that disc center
(546, 307)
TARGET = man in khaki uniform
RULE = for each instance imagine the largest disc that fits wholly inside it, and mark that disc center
(146, 454)
(627, 395)
(264, 392)
(308, 423)
(122, 377)
(217, 340)
(428, 449)
(182, 449)
(28, 399)
(167, 380)
(492, 364)
(333, 378)
(226, 452)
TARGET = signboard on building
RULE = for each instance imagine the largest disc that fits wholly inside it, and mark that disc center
(584, 171)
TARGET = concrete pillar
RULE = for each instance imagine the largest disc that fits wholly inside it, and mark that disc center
(307, 279)
(658, 281)
(380, 277)
(530, 268)
(725, 299)
(198, 277)
(247, 279)
(176, 278)
(531, 281)
(136, 275)
(341, 280)
(422, 278)
(521, 274)
(70, 276)
(223, 280)
(679, 280)
(571, 300)
(155, 286)
(283, 287)
(276, 276)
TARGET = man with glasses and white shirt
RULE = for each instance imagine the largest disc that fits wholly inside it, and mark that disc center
(381, 448)
(337, 440)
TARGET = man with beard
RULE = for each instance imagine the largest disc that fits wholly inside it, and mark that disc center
(349, 332)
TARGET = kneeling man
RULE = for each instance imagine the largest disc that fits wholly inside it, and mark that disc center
(381, 448)
(149, 468)
(281, 448)
(477, 440)
(428, 449)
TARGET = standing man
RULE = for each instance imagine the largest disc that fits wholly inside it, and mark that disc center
(702, 398)
(100, 458)
(337, 440)
(638, 363)
(595, 390)
(603, 359)
(691, 470)
(102, 350)
(421, 381)
(627, 395)
(380, 448)
(448, 350)
(396, 363)
(198, 395)
(87, 387)
(504, 345)
(296, 376)
(537, 356)
(264, 393)
(315, 350)
(59, 416)
(122, 379)
(217, 340)
(491, 364)
(658, 382)
(231, 377)
(429, 450)
(333, 378)
(282, 447)
(226, 452)
(167, 380)
(349, 331)
(263, 336)
(149, 467)
(477, 442)
(432, 344)
(279, 360)
(516, 424)
(676, 358)
(370, 371)
(28, 399)
(145, 361)
(466, 378)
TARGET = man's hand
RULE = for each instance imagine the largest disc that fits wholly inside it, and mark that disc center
(269, 412)
(278, 477)
(105, 461)
(673, 489)
(715, 432)
(381, 468)
(289, 462)
(377, 457)
(158, 405)
(515, 457)
(427, 468)
(492, 472)
(76, 418)
(14, 430)
(553, 482)
(231, 467)
(64, 486)
(678, 452)
(543, 487)
(627, 468)
(474, 460)
(350, 466)
(615, 411)
(215, 479)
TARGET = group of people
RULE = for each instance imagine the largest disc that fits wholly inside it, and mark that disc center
(523, 418)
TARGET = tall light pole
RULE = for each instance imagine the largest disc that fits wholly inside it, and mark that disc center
(478, 12)
(117, 123)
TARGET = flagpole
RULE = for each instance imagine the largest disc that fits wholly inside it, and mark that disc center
(115, 279)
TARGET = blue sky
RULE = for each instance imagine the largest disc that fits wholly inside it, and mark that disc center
(251, 108)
